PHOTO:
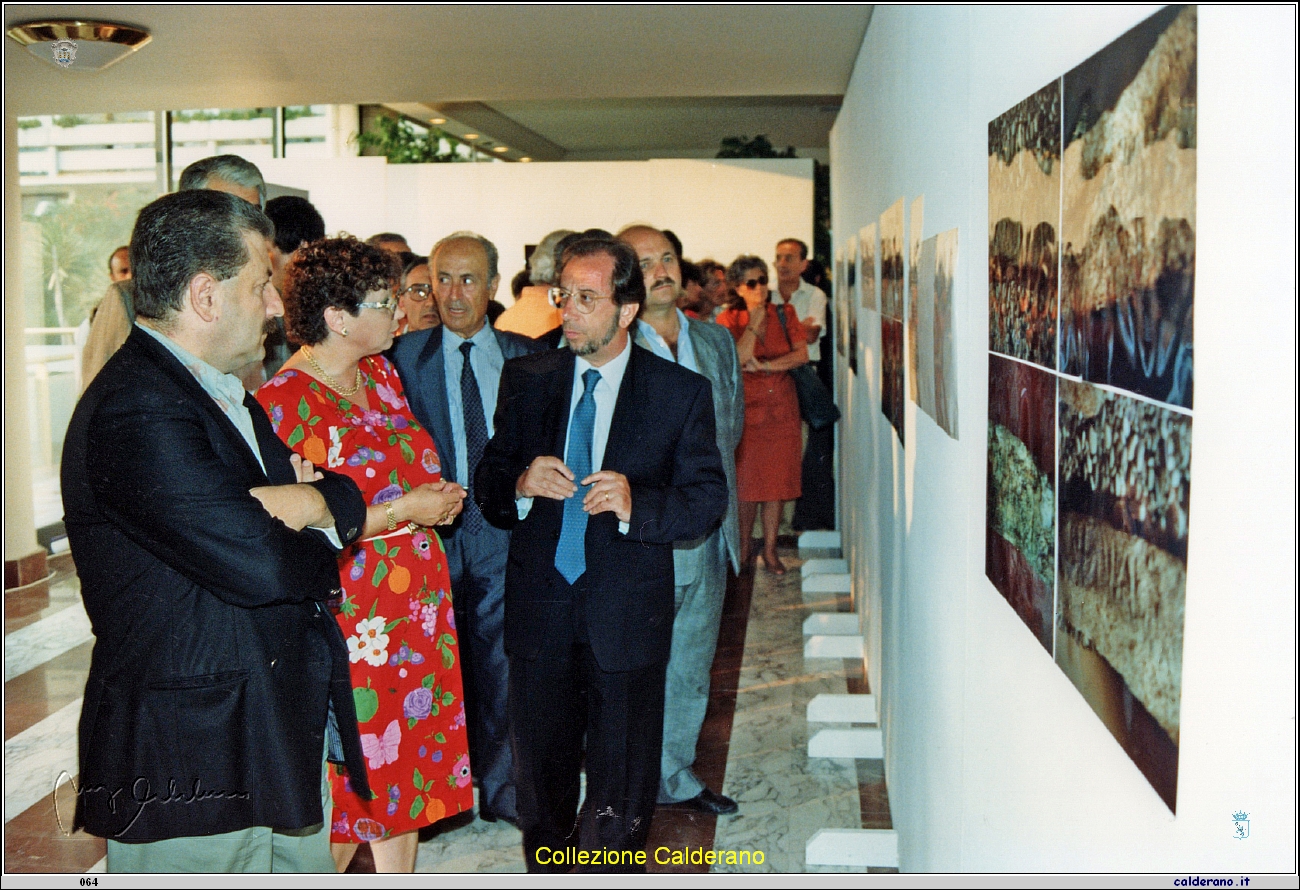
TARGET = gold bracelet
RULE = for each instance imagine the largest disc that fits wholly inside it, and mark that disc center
(392, 517)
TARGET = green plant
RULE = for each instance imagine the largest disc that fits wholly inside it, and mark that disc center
(401, 142)
(28, 123)
(69, 120)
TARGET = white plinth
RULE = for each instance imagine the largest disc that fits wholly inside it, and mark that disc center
(827, 584)
(832, 708)
(819, 541)
(840, 623)
(833, 646)
(853, 847)
(862, 744)
(824, 567)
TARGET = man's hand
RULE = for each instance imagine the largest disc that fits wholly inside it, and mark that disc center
(546, 477)
(609, 492)
(813, 330)
(297, 506)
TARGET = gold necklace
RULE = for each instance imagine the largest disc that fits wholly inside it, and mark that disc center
(333, 384)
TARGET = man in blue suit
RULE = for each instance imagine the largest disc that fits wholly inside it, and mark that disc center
(603, 456)
(451, 374)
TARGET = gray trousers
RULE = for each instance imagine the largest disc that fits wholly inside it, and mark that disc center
(250, 851)
(686, 687)
(478, 587)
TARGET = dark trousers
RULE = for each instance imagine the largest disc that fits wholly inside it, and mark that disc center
(556, 700)
(478, 571)
(816, 508)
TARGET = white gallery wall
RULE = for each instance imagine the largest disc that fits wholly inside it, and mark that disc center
(993, 758)
(719, 208)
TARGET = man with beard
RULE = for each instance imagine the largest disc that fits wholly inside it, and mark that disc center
(604, 455)
(700, 565)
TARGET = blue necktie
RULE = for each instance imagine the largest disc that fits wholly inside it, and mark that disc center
(476, 437)
(571, 553)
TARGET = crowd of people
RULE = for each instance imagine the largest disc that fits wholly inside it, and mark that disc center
(352, 541)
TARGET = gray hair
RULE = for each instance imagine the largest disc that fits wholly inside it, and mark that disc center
(488, 248)
(541, 265)
(231, 168)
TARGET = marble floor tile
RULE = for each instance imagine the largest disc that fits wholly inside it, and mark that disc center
(47, 638)
(35, 758)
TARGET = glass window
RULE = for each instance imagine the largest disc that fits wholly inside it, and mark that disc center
(203, 132)
(82, 179)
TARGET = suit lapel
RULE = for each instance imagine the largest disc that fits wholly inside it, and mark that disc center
(705, 357)
(182, 377)
(627, 414)
(557, 411)
(431, 371)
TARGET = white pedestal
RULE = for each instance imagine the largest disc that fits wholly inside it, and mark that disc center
(858, 744)
(833, 646)
(853, 847)
(819, 541)
(822, 566)
(832, 708)
(838, 623)
(827, 584)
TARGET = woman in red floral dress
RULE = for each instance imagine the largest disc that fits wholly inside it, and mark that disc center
(340, 404)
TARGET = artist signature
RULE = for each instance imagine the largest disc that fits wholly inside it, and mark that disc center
(140, 795)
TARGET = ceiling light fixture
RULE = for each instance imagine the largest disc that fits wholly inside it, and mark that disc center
(437, 120)
(471, 136)
(75, 45)
(501, 148)
(525, 160)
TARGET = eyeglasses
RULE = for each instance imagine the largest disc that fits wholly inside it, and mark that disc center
(418, 292)
(388, 304)
(585, 303)
(760, 281)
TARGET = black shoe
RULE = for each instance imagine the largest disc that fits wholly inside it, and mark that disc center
(709, 802)
(489, 816)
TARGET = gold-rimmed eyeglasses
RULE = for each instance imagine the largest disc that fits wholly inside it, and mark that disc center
(388, 304)
(585, 302)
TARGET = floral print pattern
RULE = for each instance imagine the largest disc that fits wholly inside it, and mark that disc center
(405, 669)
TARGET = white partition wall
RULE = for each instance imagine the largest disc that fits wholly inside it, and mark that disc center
(994, 760)
(719, 208)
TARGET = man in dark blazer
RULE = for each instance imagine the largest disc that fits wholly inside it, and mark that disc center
(455, 397)
(206, 555)
(589, 582)
(700, 565)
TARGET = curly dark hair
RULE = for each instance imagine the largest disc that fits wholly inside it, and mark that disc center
(332, 273)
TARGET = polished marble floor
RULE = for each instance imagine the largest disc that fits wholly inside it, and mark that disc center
(753, 747)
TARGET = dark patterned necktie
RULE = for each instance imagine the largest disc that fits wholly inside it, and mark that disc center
(571, 552)
(476, 436)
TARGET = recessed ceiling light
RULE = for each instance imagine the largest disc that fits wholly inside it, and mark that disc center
(79, 45)
(437, 120)
(471, 136)
(525, 160)
(501, 148)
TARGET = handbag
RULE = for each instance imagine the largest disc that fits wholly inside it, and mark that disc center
(816, 406)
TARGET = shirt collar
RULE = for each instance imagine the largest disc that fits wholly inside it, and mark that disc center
(225, 389)
(612, 371)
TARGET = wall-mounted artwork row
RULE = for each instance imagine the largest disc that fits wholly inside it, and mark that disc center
(915, 224)
(891, 316)
(931, 346)
(841, 302)
(1089, 461)
(1128, 223)
(867, 238)
(851, 298)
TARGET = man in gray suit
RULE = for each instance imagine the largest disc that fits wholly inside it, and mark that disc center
(451, 374)
(700, 565)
